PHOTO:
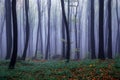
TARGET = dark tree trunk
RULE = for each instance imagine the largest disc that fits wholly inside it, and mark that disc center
(8, 28)
(63, 38)
(67, 31)
(101, 31)
(93, 56)
(15, 34)
(27, 30)
(110, 30)
(48, 39)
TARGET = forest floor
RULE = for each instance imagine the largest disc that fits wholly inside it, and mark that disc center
(59, 70)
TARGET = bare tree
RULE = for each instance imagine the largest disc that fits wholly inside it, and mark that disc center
(76, 32)
(101, 31)
(109, 30)
(93, 56)
(67, 29)
(27, 30)
(15, 34)
(8, 28)
(48, 39)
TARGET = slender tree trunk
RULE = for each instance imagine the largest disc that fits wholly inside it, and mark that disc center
(48, 40)
(101, 31)
(93, 56)
(39, 25)
(27, 30)
(55, 29)
(118, 32)
(67, 31)
(8, 28)
(110, 30)
(76, 34)
(63, 38)
(1, 33)
(15, 34)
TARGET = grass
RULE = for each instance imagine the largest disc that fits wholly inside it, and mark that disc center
(58, 70)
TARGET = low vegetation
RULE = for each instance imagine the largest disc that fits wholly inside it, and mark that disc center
(59, 70)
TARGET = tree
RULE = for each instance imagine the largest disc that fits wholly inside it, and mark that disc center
(8, 28)
(76, 32)
(48, 39)
(109, 30)
(93, 56)
(67, 30)
(27, 30)
(15, 34)
(39, 31)
(118, 32)
(63, 38)
(101, 31)
(2, 20)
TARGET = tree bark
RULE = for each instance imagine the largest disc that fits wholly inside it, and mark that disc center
(109, 30)
(15, 34)
(8, 28)
(76, 34)
(63, 38)
(93, 56)
(118, 31)
(67, 31)
(48, 39)
(27, 30)
(101, 31)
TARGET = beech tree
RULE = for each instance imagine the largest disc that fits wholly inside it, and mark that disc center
(101, 30)
(27, 30)
(15, 38)
(48, 39)
(67, 30)
(109, 30)
(8, 28)
(93, 56)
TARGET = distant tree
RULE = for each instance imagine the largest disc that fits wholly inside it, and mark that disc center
(27, 30)
(67, 30)
(76, 31)
(15, 34)
(118, 31)
(48, 39)
(8, 28)
(101, 31)
(39, 31)
(109, 30)
(63, 38)
(93, 56)
(2, 21)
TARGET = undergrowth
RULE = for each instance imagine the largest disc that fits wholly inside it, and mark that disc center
(59, 70)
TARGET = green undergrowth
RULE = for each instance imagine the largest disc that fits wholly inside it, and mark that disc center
(59, 70)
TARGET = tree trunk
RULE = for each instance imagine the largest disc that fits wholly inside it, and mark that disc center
(67, 31)
(15, 34)
(109, 30)
(27, 30)
(63, 38)
(48, 40)
(76, 35)
(8, 28)
(93, 56)
(118, 32)
(101, 31)
(39, 25)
